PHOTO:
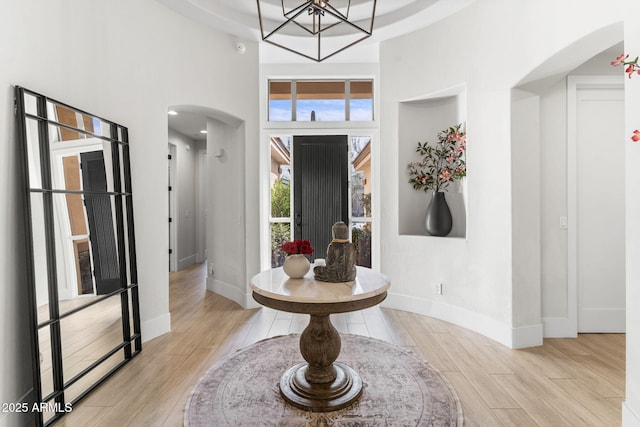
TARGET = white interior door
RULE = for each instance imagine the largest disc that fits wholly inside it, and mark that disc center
(600, 209)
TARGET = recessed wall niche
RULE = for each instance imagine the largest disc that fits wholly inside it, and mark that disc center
(420, 120)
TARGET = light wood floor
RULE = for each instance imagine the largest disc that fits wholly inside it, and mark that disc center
(566, 382)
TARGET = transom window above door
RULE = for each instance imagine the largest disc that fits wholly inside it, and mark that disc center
(320, 100)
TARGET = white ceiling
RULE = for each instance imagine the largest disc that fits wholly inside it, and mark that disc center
(240, 18)
(189, 124)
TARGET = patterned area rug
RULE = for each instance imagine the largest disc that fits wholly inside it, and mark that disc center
(399, 389)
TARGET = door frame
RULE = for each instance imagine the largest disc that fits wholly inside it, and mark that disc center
(172, 211)
(574, 84)
(351, 129)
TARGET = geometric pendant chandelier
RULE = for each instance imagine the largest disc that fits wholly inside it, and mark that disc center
(316, 29)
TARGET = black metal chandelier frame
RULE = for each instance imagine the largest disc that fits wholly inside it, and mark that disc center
(317, 8)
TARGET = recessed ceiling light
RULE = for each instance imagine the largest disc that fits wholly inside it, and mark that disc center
(203, 131)
(173, 113)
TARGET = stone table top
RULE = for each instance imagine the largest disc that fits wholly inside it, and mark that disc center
(275, 284)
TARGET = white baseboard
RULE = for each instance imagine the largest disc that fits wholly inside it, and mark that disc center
(522, 337)
(527, 336)
(155, 327)
(243, 299)
(186, 262)
(629, 417)
(559, 327)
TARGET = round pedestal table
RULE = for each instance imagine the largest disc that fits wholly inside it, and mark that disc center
(321, 384)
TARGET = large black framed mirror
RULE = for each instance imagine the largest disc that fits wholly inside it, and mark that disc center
(82, 278)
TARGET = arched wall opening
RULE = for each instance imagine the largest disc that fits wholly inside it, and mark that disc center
(543, 293)
(218, 202)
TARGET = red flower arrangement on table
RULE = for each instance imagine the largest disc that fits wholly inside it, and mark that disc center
(632, 67)
(297, 247)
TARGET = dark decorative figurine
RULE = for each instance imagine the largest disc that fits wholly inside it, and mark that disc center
(341, 257)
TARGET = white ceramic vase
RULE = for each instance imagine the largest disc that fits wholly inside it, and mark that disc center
(296, 266)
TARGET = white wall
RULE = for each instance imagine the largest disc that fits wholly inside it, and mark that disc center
(553, 160)
(631, 406)
(187, 215)
(525, 210)
(228, 231)
(487, 49)
(125, 61)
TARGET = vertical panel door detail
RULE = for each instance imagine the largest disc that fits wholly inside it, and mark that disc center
(320, 182)
(600, 210)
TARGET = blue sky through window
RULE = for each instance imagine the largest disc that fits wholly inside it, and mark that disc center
(361, 110)
(326, 110)
(280, 110)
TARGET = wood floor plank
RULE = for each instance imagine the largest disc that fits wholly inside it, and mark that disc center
(339, 322)
(475, 412)
(546, 363)
(376, 325)
(400, 335)
(477, 345)
(172, 394)
(514, 417)
(568, 346)
(358, 329)
(565, 382)
(280, 327)
(489, 391)
(605, 345)
(603, 410)
(298, 323)
(539, 409)
(261, 322)
(545, 393)
(584, 376)
(84, 416)
(429, 347)
(607, 372)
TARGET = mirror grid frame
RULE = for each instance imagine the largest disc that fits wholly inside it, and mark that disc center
(55, 404)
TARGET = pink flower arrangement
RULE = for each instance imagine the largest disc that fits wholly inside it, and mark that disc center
(632, 67)
(442, 163)
(297, 247)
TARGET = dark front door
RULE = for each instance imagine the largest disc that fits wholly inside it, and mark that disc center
(101, 226)
(320, 182)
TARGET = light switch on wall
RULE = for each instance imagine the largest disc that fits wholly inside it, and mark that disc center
(564, 224)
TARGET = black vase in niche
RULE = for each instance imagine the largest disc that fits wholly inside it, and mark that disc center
(439, 221)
